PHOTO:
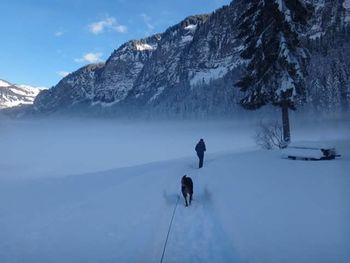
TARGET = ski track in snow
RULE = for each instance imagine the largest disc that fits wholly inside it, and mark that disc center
(196, 234)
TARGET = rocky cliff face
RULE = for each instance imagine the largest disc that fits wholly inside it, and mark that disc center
(188, 70)
(328, 15)
(122, 69)
(103, 84)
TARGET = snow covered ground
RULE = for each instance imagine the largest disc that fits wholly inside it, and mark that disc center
(105, 192)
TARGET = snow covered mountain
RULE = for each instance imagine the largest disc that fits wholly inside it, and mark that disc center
(190, 69)
(12, 95)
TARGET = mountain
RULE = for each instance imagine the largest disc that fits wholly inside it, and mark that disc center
(12, 95)
(190, 69)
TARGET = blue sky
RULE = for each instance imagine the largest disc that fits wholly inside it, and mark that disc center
(43, 40)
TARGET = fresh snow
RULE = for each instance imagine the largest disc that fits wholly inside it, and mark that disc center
(159, 91)
(11, 103)
(189, 37)
(33, 88)
(144, 46)
(304, 153)
(4, 83)
(30, 92)
(306, 149)
(12, 95)
(84, 191)
(316, 35)
(185, 39)
(346, 4)
(208, 75)
(18, 91)
(191, 27)
(310, 145)
(286, 84)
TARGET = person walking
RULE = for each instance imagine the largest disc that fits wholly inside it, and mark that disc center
(200, 149)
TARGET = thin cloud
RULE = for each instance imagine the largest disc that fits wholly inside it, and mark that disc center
(63, 73)
(148, 22)
(110, 24)
(90, 58)
(121, 29)
(59, 33)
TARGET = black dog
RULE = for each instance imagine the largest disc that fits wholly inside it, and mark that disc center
(187, 188)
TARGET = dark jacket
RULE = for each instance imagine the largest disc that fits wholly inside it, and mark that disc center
(200, 147)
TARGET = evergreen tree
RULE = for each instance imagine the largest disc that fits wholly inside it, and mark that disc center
(277, 61)
(341, 72)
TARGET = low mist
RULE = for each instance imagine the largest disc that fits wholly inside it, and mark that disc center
(60, 147)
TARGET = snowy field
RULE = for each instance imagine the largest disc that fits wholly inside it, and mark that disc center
(105, 191)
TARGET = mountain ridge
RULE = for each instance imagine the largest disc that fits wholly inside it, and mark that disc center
(12, 95)
(188, 70)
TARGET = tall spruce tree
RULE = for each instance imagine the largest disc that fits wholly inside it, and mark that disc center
(277, 61)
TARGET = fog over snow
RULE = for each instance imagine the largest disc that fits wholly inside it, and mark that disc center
(64, 147)
(105, 191)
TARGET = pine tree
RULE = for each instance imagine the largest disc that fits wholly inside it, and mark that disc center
(276, 59)
(323, 98)
(342, 75)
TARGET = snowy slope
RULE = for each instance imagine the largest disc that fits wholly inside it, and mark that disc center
(12, 95)
(249, 206)
(239, 214)
(4, 83)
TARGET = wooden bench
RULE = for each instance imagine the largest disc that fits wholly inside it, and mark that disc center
(310, 152)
